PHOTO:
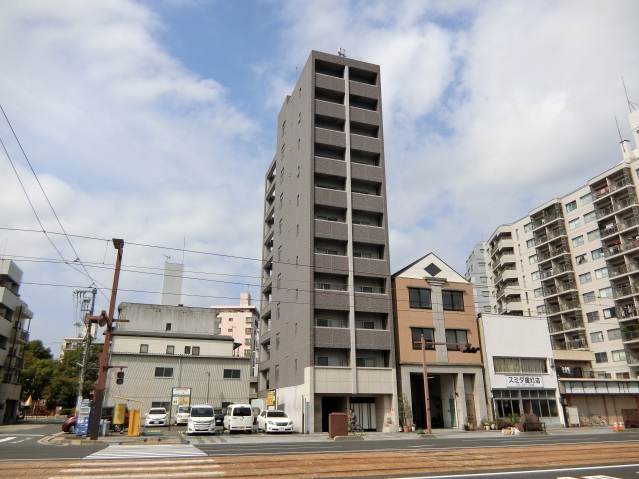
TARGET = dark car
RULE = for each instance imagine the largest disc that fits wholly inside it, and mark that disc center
(107, 414)
(219, 417)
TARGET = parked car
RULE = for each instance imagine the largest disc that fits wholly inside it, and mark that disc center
(274, 421)
(219, 418)
(182, 415)
(201, 420)
(239, 417)
(157, 416)
(107, 414)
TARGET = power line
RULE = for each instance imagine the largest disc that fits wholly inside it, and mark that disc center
(86, 272)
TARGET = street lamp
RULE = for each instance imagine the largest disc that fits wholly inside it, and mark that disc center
(208, 385)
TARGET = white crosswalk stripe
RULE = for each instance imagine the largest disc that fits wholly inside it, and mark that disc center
(162, 468)
(147, 451)
(5, 439)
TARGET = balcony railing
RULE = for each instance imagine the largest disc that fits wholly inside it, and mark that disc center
(547, 273)
(552, 253)
(569, 345)
(626, 311)
(629, 335)
(565, 326)
(549, 218)
(624, 290)
(560, 308)
(368, 289)
(623, 269)
(576, 373)
(330, 286)
(596, 194)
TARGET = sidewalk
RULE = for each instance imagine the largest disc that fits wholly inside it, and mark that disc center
(175, 436)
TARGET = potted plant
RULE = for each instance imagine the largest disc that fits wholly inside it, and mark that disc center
(405, 411)
(515, 421)
(486, 424)
(412, 427)
(469, 424)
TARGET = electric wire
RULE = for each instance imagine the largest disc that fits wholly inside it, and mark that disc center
(15, 136)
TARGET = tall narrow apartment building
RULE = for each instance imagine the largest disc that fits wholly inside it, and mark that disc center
(326, 332)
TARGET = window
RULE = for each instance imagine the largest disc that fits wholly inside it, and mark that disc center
(279, 254)
(483, 279)
(144, 348)
(541, 402)
(168, 327)
(528, 227)
(573, 224)
(282, 153)
(578, 241)
(281, 200)
(541, 309)
(609, 313)
(321, 361)
(532, 259)
(622, 375)
(539, 292)
(592, 316)
(593, 235)
(614, 334)
(588, 217)
(605, 292)
(282, 170)
(581, 259)
(535, 275)
(419, 298)
(231, 374)
(459, 336)
(365, 362)
(597, 253)
(163, 372)
(187, 349)
(362, 255)
(485, 293)
(601, 357)
(416, 335)
(453, 300)
(584, 200)
(279, 225)
(520, 365)
(589, 297)
(486, 309)
(283, 127)
(601, 273)
(571, 206)
(530, 243)
(277, 341)
(279, 281)
(585, 278)
(195, 350)
(596, 337)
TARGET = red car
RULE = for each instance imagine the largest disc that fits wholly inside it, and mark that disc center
(107, 414)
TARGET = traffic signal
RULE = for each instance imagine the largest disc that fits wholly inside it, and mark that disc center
(120, 377)
(467, 348)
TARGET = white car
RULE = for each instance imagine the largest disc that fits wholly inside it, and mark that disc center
(201, 420)
(182, 415)
(274, 421)
(157, 416)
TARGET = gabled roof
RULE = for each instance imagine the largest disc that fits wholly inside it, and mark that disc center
(431, 266)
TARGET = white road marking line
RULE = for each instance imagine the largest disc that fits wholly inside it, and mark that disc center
(4, 439)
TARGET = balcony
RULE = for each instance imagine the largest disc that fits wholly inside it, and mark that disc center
(546, 220)
(625, 312)
(565, 326)
(625, 290)
(614, 271)
(9, 299)
(559, 289)
(369, 234)
(326, 229)
(505, 243)
(556, 271)
(553, 253)
(630, 335)
(330, 166)
(330, 197)
(330, 263)
(369, 266)
(553, 309)
(508, 274)
(504, 259)
(600, 193)
(364, 202)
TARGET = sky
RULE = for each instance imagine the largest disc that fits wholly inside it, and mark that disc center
(154, 122)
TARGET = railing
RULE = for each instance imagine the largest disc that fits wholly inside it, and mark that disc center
(576, 373)
(560, 308)
(621, 291)
(569, 345)
(596, 194)
(501, 274)
(551, 254)
(565, 326)
(368, 289)
(546, 219)
(330, 286)
(547, 273)
(626, 311)
(627, 335)
(620, 248)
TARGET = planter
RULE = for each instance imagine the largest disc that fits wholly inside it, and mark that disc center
(487, 428)
(405, 428)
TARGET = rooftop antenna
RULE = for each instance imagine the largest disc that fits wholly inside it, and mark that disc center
(167, 257)
(631, 105)
(341, 52)
(618, 129)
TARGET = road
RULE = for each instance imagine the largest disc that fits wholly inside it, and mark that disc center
(562, 455)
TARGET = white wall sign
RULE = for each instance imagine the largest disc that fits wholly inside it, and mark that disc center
(524, 382)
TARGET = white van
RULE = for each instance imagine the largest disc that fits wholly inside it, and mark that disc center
(239, 417)
(201, 420)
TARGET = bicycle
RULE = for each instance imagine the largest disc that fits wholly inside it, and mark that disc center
(356, 429)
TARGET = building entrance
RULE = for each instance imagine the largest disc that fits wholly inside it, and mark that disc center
(332, 404)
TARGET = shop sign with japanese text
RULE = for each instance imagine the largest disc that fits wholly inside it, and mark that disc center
(524, 382)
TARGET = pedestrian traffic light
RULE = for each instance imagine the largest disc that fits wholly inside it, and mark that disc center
(120, 377)
(467, 348)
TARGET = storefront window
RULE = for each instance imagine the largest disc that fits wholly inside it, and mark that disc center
(540, 402)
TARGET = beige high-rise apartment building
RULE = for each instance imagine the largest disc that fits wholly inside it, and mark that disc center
(575, 260)
(326, 332)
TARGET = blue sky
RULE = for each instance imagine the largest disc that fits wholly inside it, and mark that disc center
(154, 121)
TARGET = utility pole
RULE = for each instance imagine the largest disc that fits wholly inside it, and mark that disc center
(103, 364)
(87, 342)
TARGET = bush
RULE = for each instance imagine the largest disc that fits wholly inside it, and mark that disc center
(67, 412)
